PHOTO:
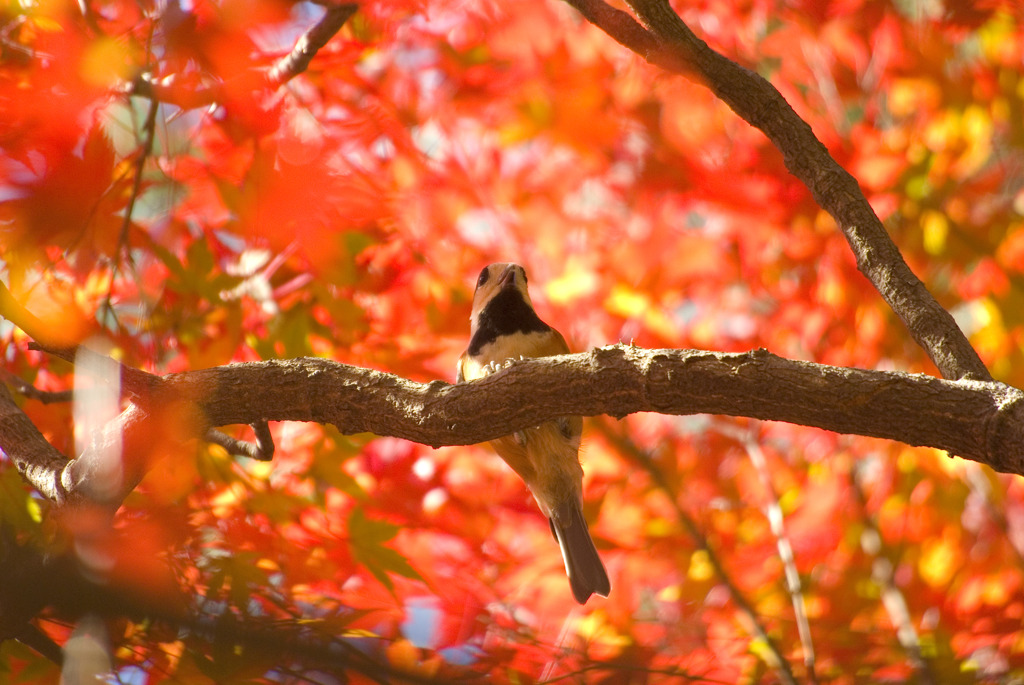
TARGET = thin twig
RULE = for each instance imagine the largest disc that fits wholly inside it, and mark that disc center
(642, 673)
(26, 389)
(167, 91)
(136, 382)
(638, 456)
(149, 133)
(282, 71)
(773, 512)
(262, 449)
(297, 61)
(895, 603)
(977, 481)
(123, 249)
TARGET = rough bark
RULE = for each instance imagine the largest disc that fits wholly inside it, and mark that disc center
(665, 40)
(978, 420)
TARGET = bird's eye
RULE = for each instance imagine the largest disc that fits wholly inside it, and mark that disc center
(484, 275)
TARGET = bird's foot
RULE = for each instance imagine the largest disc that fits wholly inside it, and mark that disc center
(495, 366)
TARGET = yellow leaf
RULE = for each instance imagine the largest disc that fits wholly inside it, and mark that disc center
(940, 559)
(34, 510)
(976, 131)
(672, 593)
(46, 24)
(935, 228)
(106, 62)
(626, 302)
(997, 589)
(359, 632)
(908, 96)
(577, 281)
(227, 499)
(700, 566)
(406, 657)
(403, 655)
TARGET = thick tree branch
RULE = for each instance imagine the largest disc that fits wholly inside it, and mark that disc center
(977, 420)
(669, 43)
(39, 463)
(981, 421)
(89, 478)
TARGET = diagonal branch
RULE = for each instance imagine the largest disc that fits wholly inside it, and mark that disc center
(283, 70)
(894, 601)
(669, 43)
(752, 621)
(149, 133)
(981, 421)
(39, 462)
(296, 62)
(772, 509)
(32, 392)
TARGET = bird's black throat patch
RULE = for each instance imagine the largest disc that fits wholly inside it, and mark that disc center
(505, 314)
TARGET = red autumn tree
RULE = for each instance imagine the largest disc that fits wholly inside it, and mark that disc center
(192, 185)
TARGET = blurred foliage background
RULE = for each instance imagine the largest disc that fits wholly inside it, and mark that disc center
(346, 215)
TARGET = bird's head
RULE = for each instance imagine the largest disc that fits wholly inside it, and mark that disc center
(495, 279)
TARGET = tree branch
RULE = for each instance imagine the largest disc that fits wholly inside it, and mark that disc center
(135, 382)
(87, 478)
(34, 582)
(894, 601)
(752, 621)
(32, 392)
(39, 462)
(981, 421)
(149, 133)
(667, 42)
(772, 508)
(261, 449)
(296, 62)
(282, 71)
(978, 420)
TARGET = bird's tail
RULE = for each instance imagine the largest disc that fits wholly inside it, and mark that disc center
(587, 575)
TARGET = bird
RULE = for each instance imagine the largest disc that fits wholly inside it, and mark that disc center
(504, 327)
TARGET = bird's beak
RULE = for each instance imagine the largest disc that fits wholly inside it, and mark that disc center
(508, 277)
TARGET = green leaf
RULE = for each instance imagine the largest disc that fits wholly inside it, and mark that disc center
(19, 511)
(365, 531)
(366, 537)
